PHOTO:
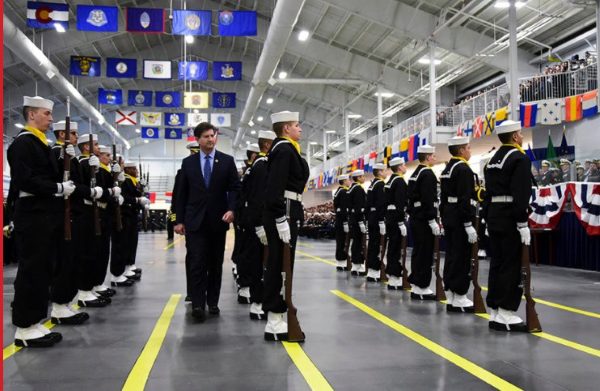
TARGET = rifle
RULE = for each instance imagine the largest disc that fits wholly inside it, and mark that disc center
(144, 211)
(478, 305)
(119, 222)
(265, 256)
(405, 283)
(97, 228)
(295, 333)
(439, 285)
(346, 251)
(382, 246)
(67, 170)
(364, 251)
(533, 323)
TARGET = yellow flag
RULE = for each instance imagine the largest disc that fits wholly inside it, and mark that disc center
(195, 100)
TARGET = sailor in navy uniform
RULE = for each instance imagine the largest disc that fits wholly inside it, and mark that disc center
(341, 205)
(396, 191)
(508, 190)
(358, 229)
(376, 207)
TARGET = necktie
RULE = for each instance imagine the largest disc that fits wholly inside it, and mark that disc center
(207, 171)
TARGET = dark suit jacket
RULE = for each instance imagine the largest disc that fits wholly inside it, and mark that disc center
(195, 204)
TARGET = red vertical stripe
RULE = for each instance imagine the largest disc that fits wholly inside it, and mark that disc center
(411, 148)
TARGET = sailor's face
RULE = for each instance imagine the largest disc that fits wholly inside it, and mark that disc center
(293, 130)
(41, 118)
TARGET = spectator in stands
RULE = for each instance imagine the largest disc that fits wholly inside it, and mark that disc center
(319, 222)
(579, 172)
(594, 175)
(565, 167)
(546, 177)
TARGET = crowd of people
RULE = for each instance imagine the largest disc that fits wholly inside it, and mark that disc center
(550, 173)
(319, 222)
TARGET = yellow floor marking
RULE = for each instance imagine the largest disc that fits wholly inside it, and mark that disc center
(302, 244)
(141, 370)
(12, 348)
(312, 375)
(469, 366)
(316, 258)
(174, 242)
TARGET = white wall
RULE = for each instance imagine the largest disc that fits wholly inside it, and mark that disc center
(584, 135)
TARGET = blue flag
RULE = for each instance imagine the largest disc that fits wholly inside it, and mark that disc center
(173, 133)
(85, 66)
(139, 98)
(223, 100)
(97, 18)
(148, 132)
(193, 70)
(174, 119)
(237, 23)
(191, 22)
(110, 97)
(167, 99)
(42, 15)
(121, 67)
(227, 70)
(145, 20)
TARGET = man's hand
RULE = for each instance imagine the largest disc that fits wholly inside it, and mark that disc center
(70, 150)
(346, 228)
(402, 227)
(94, 162)
(228, 217)
(179, 229)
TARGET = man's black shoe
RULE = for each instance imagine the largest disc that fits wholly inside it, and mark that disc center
(214, 310)
(199, 314)
(188, 299)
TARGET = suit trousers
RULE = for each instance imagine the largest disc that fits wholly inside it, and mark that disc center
(422, 253)
(86, 242)
(250, 264)
(103, 246)
(374, 247)
(340, 241)
(64, 281)
(205, 251)
(505, 270)
(457, 263)
(394, 248)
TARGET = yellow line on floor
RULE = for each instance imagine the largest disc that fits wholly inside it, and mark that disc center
(302, 244)
(12, 348)
(469, 366)
(174, 242)
(312, 375)
(316, 258)
(141, 370)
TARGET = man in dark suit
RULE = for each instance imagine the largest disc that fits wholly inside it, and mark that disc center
(206, 194)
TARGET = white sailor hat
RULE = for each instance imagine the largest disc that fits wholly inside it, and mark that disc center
(356, 173)
(85, 138)
(396, 161)
(379, 166)
(192, 145)
(343, 177)
(425, 149)
(589, 161)
(253, 148)
(130, 165)
(60, 125)
(266, 134)
(285, 116)
(38, 101)
(564, 161)
(458, 140)
(545, 163)
(105, 149)
(508, 127)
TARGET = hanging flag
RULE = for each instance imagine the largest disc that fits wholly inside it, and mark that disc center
(173, 133)
(227, 70)
(167, 99)
(586, 202)
(564, 150)
(467, 128)
(528, 114)
(196, 118)
(547, 203)
(110, 97)
(121, 67)
(387, 154)
(412, 148)
(191, 22)
(174, 119)
(145, 20)
(490, 123)
(42, 15)
(85, 66)
(125, 118)
(190, 133)
(148, 118)
(139, 98)
(195, 100)
(551, 111)
(193, 70)
(589, 104)
(531, 155)
(478, 127)
(223, 100)
(501, 115)
(404, 148)
(573, 108)
(237, 23)
(550, 151)
(220, 119)
(97, 18)
(367, 163)
(459, 131)
(157, 69)
(150, 132)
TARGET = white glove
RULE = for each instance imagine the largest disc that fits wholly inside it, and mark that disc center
(115, 191)
(381, 228)
(144, 201)
(362, 227)
(523, 229)
(115, 168)
(96, 192)
(346, 228)
(471, 233)
(94, 162)
(121, 199)
(262, 235)
(142, 182)
(147, 206)
(121, 177)
(435, 228)
(402, 227)
(70, 150)
(283, 229)
(65, 188)
(487, 232)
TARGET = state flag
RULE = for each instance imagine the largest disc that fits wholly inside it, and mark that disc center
(223, 100)
(43, 15)
(237, 23)
(220, 119)
(125, 118)
(551, 111)
(528, 114)
(150, 118)
(589, 104)
(477, 127)
(227, 70)
(85, 66)
(190, 134)
(154, 69)
(573, 108)
(173, 133)
(195, 100)
(193, 70)
(167, 99)
(97, 18)
(174, 119)
(110, 97)
(150, 132)
(191, 22)
(196, 118)
(121, 67)
(490, 123)
(139, 98)
(145, 20)
(501, 115)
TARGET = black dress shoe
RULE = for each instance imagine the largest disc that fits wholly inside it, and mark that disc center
(214, 310)
(137, 270)
(372, 279)
(188, 299)
(509, 328)
(108, 292)
(96, 303)
(135, 277)
(78, 318)
(466, 310)
(421, 297)
(199, 314)
(42, 342)
(127, 282)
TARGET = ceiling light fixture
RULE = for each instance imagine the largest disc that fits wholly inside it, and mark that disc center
(146, 141)
(354, 116)
(59, 27)
(506, 4)
(189, 39)
(303, 35)
(385, 94)
(426, 60)
(259, 118)
(18, 125)
(253, 132)
(330, 131)
(313, 143)
(282, 74)
(269, 101)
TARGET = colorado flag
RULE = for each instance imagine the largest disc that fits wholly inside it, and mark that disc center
(42, 15)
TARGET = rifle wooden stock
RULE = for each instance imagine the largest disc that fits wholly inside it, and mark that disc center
(66, 177)
(364, 250)
(97, 228)
(265, 257)
(405, 283)
(118, 218)
(439, 285)
(533, 323)
(382, 246)
(295, 333)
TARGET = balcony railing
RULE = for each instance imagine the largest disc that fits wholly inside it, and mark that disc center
(559, 85)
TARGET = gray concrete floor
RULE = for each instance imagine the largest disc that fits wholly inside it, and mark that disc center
(351, 349)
